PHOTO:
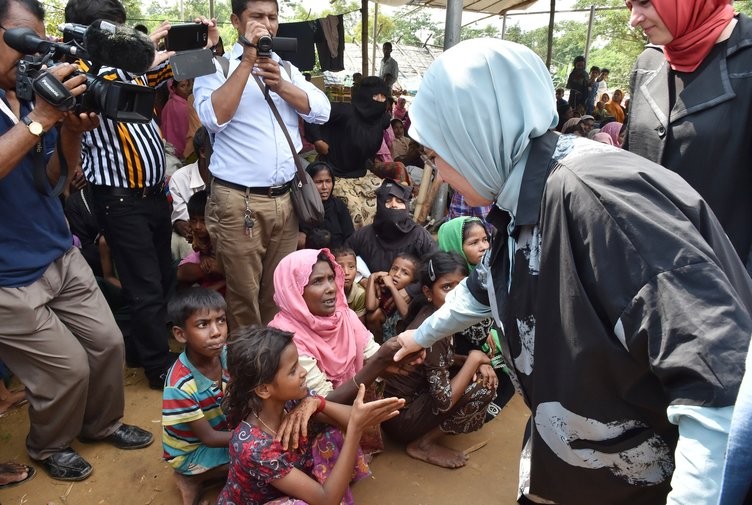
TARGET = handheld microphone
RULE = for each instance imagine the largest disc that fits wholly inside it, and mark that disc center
(26, 41)
(119, 46)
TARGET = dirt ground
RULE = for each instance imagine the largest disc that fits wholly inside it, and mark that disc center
(142, 478)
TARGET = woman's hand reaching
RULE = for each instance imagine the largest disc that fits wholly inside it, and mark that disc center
(295, 424)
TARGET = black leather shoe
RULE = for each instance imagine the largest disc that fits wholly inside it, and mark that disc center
(126, 437)
(66, 465)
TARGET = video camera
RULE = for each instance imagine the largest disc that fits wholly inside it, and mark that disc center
(267, 44)
(101, 43)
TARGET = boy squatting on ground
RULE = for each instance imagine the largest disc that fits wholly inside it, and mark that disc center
(195, 433)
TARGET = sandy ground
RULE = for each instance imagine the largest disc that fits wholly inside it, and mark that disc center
(142, 478)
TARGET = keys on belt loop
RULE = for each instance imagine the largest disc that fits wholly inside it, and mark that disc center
(249, 216)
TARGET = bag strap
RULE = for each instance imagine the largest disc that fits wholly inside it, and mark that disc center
(265, 92)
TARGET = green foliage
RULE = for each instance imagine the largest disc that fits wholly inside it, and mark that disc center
(613, 43)
(744, 6)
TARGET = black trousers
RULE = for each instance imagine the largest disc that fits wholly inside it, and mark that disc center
(138, 232)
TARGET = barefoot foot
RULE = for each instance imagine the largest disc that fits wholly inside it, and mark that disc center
(12, 473)
(13, 399)
(436, 454)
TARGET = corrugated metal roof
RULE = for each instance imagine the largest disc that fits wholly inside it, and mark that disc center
(486, 6)
(413, 62)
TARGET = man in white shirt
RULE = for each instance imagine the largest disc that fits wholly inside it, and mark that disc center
(249, 215)
(389, 67)
(183, 184)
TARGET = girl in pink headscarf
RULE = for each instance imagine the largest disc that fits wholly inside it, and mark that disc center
(336, 350)
(613, 129)
(174, 117)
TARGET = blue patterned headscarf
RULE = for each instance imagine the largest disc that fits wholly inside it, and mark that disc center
(478, 107)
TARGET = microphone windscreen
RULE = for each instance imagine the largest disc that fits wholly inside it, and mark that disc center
(119, 46)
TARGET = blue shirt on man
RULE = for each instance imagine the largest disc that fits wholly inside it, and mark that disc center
(34, 232)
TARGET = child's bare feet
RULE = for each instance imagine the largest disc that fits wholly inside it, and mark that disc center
(10, 399)
(190, 488)
(431, 452)
(193, 486)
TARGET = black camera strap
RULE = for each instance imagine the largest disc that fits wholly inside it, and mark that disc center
(265, 91)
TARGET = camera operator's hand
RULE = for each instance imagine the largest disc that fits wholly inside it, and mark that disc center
(213, 35)
(79, 123)
(44, 112)
(254, 30)
(268, 70)
(156, 36)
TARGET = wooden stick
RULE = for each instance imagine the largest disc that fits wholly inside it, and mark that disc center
(428, 171)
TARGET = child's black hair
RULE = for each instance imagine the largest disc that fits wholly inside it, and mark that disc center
(435, 265)
(253, 355)
(318, 238)
(197, 204)
(344, 251)
(412, 259)
(469, 224)
(440, 263)
(187, 301)
(395, 121)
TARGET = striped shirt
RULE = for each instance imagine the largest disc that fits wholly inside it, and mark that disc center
(189, 396)
(125, 155)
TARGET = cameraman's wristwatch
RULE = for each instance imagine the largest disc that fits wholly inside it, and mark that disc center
(35, 127)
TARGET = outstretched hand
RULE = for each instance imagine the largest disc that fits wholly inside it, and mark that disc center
(408, 345)
(372, 413)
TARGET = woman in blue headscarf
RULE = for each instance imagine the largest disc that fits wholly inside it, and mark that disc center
(625, 309)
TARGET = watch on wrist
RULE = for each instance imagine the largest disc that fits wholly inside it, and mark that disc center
(35, 127)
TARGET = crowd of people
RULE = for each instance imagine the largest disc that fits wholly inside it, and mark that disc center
(595, 258)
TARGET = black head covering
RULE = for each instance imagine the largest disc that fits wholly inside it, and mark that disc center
(392, 224)
(362, 98)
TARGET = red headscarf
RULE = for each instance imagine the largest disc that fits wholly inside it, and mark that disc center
(695, 25)
(337, 341)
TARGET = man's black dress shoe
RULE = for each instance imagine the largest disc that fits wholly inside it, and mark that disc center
(66, 465)
(126, 436)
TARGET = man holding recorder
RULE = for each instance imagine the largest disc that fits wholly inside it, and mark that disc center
(249, 214)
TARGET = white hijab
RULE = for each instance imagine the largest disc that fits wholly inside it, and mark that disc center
(478, 107)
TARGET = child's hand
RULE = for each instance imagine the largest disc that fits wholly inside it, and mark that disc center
(372, 413)
(208, 265)
(487, 376)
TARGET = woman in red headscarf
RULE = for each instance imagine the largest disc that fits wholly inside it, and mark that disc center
(692, 100)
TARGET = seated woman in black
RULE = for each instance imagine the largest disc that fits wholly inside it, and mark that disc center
(393, 230)
(337, 220)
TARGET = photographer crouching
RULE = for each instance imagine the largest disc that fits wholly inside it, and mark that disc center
(57, 333)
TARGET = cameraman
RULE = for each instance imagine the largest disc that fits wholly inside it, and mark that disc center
(125, 164)
(56, 331)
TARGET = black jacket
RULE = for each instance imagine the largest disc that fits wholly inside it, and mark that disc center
(707, 136)
(624, 297)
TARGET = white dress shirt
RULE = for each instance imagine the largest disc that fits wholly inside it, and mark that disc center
(250, 149)
(183, 184)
